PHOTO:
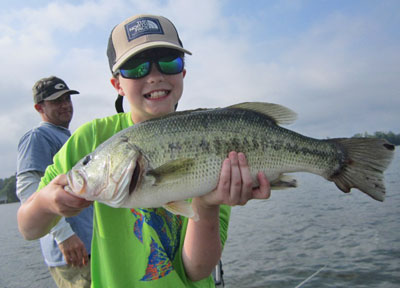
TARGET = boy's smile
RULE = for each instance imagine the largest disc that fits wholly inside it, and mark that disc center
(155, 95)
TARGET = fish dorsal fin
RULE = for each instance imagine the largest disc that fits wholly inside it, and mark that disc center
(279, 113)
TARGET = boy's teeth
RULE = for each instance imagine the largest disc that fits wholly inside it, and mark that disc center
(156, 94)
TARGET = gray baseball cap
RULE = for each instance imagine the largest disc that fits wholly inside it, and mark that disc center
(50, 89)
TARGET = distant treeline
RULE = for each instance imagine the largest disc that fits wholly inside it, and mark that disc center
(389, 136)
(7, 190)
(8, 185)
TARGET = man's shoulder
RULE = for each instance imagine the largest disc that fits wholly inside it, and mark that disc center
(33, 130)
(33, 133)
(43, 128)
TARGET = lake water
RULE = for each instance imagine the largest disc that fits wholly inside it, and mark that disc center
(275, 243)
(21, 261)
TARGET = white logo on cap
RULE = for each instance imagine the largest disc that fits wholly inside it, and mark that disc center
(59, 86)
(143, 26)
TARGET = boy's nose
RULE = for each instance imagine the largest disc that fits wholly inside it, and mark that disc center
(155, 74)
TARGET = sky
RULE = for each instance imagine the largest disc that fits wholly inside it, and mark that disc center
(336, 63)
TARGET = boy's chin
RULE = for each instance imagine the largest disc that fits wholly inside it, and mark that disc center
(161, 112)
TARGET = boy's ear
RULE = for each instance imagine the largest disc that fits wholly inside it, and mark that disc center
(184, 73)
(117, 85)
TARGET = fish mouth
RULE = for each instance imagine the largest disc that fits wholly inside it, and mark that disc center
(77, 190)
(134, 178)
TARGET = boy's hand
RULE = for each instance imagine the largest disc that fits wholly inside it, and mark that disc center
(235, 186)
(59, 201)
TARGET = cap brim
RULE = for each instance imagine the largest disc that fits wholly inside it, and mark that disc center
(146, 46)
(61, 93)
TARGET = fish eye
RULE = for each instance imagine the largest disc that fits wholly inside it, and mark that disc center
(86, 160)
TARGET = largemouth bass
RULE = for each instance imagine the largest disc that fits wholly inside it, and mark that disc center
(163, 161)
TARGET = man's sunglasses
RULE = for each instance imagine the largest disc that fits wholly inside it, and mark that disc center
(140, 67)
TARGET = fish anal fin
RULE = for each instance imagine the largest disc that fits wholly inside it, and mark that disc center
(278, 113)
(283, 182)
(183, 208)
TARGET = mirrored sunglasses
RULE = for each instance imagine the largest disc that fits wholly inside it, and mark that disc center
(140, 67)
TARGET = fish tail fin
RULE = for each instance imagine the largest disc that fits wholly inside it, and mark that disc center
(365, 161)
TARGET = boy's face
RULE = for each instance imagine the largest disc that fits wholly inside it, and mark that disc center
(153, 95)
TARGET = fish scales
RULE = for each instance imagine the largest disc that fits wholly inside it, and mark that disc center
(268, 147)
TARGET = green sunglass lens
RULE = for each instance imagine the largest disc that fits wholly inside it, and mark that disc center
(171, 65)
(135, 69)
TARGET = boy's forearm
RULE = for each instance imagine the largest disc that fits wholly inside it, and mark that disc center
(34, 220)
(202, 248)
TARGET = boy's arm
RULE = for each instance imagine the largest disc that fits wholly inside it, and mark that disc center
(44, 208)
(27, 184)
(202, 248)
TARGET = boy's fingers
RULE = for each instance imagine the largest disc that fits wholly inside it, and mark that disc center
(246, 178)
(61, 180)
(264, 191)
(236, 179)
(225, 176)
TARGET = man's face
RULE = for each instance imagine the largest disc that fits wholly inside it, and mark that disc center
(58, 112)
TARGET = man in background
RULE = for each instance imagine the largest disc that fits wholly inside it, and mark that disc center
(66, 249)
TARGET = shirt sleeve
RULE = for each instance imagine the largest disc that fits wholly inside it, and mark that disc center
(27, 184)
(35, 152)
(62, 231)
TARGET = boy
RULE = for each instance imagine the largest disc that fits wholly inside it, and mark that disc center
(144, 247)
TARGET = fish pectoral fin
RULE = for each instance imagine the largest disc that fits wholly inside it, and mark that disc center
(283, 182)
(175, 166)
(172, 170)
(182, 208)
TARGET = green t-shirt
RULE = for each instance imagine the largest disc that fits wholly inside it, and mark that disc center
(130, 247)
